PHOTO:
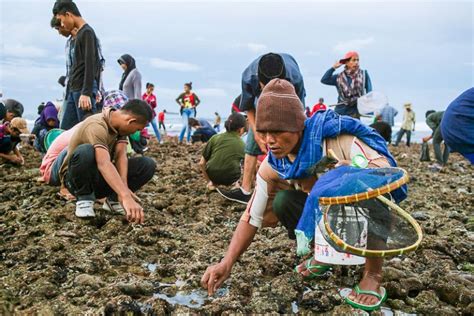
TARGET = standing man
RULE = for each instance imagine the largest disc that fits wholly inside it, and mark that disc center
(96, 165)
(433, 120)
(408, 125)
(69, 49)
(254, 78)
(388, 114)
(86, 67)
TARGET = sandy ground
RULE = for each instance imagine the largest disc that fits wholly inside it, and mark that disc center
(54, 263)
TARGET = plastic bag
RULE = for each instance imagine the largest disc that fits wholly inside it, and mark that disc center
(425, 152)
(371, 102)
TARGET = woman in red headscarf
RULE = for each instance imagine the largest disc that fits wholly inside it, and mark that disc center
(351, 83)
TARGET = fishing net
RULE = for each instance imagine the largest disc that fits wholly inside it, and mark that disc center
(360, 218)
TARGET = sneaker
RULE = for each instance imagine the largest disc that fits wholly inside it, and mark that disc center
(114, 207)
(235, 195)
(85, 209)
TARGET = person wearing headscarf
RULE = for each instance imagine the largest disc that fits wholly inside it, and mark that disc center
(47, 120)
(131, 83)
(351, 84)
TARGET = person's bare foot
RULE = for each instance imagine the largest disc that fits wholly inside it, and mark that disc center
(65, 194)
(370, 282)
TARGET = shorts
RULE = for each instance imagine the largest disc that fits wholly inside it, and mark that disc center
(251, 147)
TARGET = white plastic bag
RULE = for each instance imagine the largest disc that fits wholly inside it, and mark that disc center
(371, 103)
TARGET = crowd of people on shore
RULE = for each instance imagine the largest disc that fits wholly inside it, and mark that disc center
(86, 142)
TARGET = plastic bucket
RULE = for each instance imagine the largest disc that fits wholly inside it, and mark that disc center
(325, 253)
(50, 136)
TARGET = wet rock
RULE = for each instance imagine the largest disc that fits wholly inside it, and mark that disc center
(469, 310)
(88, 280)
(393, 274)
(48, 290)
(63, 233)
(137, 288)
(420, 216)
(459, 216)
(413, 286)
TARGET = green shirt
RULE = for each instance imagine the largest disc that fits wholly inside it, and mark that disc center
(434, 120)
(224, 153)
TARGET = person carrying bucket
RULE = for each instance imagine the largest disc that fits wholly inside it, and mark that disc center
(351, 83)
(283, 181)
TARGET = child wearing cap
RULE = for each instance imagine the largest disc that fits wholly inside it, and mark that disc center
(9, 139)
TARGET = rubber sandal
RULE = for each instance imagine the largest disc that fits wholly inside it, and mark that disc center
(309, 267)
(382, 297)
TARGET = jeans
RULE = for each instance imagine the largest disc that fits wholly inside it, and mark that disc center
(84, 180)
(217, 127)
(400, 135)
(288, 206)
(441, 158)
(155, 129)
(54, 178)
(72, 114)
(185, 115)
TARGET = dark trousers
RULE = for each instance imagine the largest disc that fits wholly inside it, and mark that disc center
(84, 180)
(441, 158)
(162, 125)
(400, 135)
(288, 206)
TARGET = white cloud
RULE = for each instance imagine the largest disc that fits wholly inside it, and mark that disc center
(312, 53)
(211, 92)
(173, 65)
(24, 51)
(255, 47)
(354, 44)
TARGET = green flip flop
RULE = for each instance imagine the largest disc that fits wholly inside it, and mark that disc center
(321, 269)
(382, 297)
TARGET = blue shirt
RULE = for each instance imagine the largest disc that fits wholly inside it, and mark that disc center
(388, 114)
(206, 128)
(251, 85)
(457, 125)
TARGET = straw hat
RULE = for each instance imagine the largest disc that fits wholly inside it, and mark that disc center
(407, 105)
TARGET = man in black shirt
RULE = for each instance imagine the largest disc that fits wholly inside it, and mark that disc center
(85, 70)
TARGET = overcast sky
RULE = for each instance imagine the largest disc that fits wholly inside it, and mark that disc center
(414, 51)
